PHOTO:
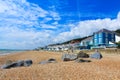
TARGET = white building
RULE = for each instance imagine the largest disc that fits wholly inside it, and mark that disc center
(117, 37)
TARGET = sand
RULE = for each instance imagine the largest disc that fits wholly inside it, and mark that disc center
(108, 68)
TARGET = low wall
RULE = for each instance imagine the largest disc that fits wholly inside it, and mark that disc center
(103, 51)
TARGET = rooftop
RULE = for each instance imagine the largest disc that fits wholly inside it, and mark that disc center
(88, 38)
(104, 30)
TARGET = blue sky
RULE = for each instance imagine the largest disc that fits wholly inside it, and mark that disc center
(27, 24)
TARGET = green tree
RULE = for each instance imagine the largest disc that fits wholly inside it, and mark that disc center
(118, 31)
(118, 44)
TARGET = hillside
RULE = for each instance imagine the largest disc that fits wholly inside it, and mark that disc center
(77, 39)
(69, 41)
(118, 31)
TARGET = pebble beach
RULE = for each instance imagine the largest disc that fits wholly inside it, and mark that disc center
(107, 68)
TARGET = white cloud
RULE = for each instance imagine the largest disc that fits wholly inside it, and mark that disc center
(47, 26)
(55, 15)
(26, 25)
(55, 23)
(22, 12)
(15, 38)
(19, 23)
(118, 16)
(86, 28)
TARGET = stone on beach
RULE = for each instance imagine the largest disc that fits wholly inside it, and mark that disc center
(51, 60)
(43, 62)
(28, 62)
(96, 55)
(7, 66)
(82, 60)
(18, 63)
(69, 57)
(81, 54)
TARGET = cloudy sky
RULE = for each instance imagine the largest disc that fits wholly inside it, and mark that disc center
(27, 24)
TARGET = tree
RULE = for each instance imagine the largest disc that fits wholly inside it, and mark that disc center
(118, 31)
(118, 44)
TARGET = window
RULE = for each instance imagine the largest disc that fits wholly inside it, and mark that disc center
(106, 34)
(113, 40)
(100, 40)
(91, 42)
(95, 36)
(95, 41)
(106, 40)
(100, 34)
(112, 35)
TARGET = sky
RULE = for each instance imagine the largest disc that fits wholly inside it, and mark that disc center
(28, 24)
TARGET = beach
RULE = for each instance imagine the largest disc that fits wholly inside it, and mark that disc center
(107, 68)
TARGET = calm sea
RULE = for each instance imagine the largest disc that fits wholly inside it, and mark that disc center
(9, 51)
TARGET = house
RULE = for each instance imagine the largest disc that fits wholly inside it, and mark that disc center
(100, 39)
(57, 47)
(103, 38)
(86, 43)
(117, 37)
(74, 44)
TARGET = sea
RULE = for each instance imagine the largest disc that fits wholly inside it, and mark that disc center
(9, 51)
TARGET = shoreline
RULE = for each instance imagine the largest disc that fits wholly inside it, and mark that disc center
(10, 52)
